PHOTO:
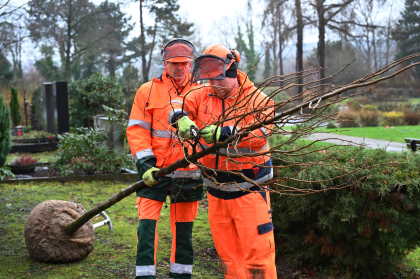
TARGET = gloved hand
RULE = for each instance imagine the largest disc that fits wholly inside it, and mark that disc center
(184, 127)
(148, 177)
(211, 133)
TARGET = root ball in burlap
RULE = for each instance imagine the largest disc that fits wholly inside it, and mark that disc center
(45, 238)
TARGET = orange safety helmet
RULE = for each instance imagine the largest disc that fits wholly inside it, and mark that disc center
(178, 50)
(217, 62)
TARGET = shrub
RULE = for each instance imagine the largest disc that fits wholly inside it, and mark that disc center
(393, 118)
(411, 118)
(85, 152)
(37, 118)
(369, 117)
(4, 132)
(363, 231)
(88, 95)
(347, 118)
(14, 108)
(24, 160)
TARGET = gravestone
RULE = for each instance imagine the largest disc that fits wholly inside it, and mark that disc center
(57, 108)
(112, 131)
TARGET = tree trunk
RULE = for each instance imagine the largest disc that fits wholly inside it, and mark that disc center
(299, 44)
(321, 39)
(143, 53)
(67, 63)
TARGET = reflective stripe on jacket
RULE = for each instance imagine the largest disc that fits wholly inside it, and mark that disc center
(149, 132)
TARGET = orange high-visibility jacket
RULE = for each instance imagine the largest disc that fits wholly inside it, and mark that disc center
(149, 132)
(204, 108)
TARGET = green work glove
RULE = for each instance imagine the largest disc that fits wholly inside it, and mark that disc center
(148, 177)
(211, 133)
(184, 127)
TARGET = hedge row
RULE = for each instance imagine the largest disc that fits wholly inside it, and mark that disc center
(363, 231)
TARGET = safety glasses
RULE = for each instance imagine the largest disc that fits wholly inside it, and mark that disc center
(209, 67)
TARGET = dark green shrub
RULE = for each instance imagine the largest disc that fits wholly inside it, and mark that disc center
(37, 118)
(363, 231)
(88, 95)
(85, 152)
(14, 108)
(4, 132)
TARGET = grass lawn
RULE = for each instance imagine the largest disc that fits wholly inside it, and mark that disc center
(414, 100)
(396, 133)
(114, 252)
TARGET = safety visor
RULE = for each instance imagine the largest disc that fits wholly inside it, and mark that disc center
(209, 67)
(178, 51)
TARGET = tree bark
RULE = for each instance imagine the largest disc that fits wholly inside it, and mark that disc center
(299, 44)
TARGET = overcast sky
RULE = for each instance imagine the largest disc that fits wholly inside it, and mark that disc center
(216, 20)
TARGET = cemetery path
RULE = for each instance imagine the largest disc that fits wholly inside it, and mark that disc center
(389, 146)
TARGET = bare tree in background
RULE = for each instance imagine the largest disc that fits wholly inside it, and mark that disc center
(375, 33)
(278, 24)
(166, 24)
(299, 45)
(12, 34)
(327, 16)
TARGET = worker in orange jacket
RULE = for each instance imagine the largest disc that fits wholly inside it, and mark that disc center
(154, 144)
(238, 208)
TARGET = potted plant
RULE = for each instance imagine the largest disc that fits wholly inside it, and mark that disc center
(23, 165)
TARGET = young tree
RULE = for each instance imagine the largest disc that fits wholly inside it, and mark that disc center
(4, 132)
(14, 107)
(407, 31)
(166, 24)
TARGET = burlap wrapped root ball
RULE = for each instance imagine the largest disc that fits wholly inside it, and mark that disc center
(45, 238)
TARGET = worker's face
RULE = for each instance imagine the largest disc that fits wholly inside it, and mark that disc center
(178, 70)
(223, 88)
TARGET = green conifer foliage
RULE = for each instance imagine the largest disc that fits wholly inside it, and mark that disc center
(14, 108)
(4, 132)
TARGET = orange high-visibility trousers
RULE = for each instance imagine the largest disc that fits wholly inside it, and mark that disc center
(182, 215)
(242, 232)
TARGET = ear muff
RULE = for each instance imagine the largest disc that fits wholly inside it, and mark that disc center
(233, 69)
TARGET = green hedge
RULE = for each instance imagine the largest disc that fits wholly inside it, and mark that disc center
(363, 231)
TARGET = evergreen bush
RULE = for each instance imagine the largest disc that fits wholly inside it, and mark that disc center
(364, 231)
(37, 119)
(4, 132)
(88, 95)
(14, 108)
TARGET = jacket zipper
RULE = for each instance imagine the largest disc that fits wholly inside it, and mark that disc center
(221, 125)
